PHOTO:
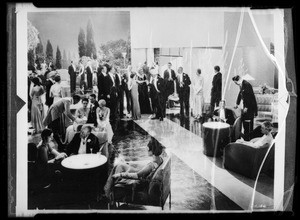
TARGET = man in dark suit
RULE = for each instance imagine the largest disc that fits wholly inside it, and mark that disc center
(92, 117)
(183, 83)
(169, 78)
(84, 142)
(111, 92)
(216, 90)
(102, 72)
(126, 90)
(120, 91)
(249, 104)
(157, 90)
(72, 73)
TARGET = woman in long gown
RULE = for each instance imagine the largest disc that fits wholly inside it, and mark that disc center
(133, 87)
(103, 113)
(123, 173)
(198, 94)
(143, 92)
(37, 107)
(56, 89)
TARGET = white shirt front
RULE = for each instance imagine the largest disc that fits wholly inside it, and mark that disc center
(82, 148)
(120, 79)
(155, 83)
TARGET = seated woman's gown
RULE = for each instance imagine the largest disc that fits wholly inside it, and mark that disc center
(124, 167)
(104, 123)
(37, 108)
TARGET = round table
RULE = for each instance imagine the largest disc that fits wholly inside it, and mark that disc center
(84, 175)
(84, 161)
(216, 135)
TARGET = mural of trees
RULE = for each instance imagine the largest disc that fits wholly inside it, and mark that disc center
(113, 50)
(49, 52)
(58, 58)
(81, 43)
(90, 43)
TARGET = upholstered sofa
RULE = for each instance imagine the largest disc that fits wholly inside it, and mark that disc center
(152, 191)
(266, 107)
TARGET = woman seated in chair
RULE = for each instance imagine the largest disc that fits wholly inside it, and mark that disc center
(123, 173)
(47, 157)
(103, 114)
(261, 142)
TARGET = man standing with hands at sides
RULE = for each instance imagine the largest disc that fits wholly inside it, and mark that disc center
(169, 77)
(216, 90)
(183, 83)
(102, 72)
(157, 90)
(72, 73)
(120, 99)
(249, 104)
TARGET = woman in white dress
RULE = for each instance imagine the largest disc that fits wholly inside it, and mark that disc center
(56, 89)
(103, 113)
(198, 94)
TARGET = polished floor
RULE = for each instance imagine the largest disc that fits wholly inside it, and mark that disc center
(198, 183)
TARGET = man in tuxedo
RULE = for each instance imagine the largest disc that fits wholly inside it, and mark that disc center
(84, 142)
(249, 104)
(183, 83)
(216, 90)
(102, 72)
(72, 73)
(169, 78)
(111, 92)
(120, 91)
(92, 116)
(125, 79)
(157, 90)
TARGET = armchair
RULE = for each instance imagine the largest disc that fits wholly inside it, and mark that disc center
(153, 190)
(244, 159)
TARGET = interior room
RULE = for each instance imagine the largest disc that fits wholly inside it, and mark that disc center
(205, 168)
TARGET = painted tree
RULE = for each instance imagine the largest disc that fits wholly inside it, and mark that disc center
(49, 52)
(39, 53)
(30, 59)
(90, 43)
(113, 50)
(32, 36)
(64, 60)
(81, 43)
(58, 58)
(32, 42)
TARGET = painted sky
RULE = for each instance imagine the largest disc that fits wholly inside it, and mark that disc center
(62, 28)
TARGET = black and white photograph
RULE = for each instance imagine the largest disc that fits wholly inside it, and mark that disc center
(154, 110)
